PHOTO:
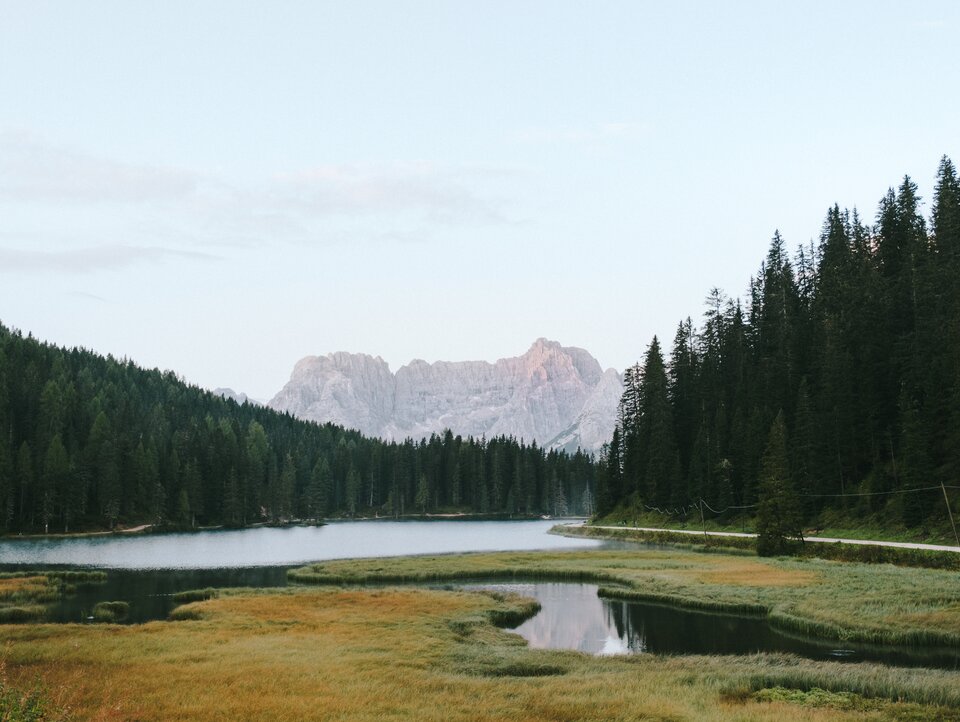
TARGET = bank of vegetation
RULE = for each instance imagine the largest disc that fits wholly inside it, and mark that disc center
(831, 394)
(837, 551)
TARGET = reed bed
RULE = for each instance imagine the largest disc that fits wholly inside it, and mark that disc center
(24, 595)
(195, 595)
(111, 611)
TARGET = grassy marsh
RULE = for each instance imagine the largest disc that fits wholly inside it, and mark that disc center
(24, 596)
(414, 654)
(875, 603)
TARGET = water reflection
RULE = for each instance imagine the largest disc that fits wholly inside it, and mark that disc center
(572, 616)
(150, 593)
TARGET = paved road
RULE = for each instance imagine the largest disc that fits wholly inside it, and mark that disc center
(828, 540)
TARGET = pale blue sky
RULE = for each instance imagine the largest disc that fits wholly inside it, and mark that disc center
(221, 188)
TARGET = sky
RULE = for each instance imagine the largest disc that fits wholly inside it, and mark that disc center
(222, 188)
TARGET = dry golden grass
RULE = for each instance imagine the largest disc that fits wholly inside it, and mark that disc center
(16, 587)
(413, 654)
(747, 572)
(945, 618)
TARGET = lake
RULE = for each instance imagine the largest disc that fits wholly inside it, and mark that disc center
(287, 546)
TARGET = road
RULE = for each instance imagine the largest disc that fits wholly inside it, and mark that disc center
(824, 539)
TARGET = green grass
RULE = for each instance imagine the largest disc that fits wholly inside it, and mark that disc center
(875, 603)
(30, 704)
(832, 524)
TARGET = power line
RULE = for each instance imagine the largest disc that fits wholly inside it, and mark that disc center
(879, 493)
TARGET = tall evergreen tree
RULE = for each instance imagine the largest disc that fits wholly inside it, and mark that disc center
(778, 511)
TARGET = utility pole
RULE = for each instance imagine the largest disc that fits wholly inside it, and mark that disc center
(703, 524)
(950, 513)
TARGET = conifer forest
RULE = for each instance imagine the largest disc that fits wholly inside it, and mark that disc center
(834, 386)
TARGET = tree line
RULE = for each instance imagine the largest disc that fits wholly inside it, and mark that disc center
(91, 442)
(835, 383)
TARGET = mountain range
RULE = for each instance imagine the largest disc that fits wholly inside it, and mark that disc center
(558, 396)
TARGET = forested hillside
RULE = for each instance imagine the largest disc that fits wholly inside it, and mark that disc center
(837, 380)
(90, 442)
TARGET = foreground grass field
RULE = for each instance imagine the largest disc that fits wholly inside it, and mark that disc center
(413, 654)
(877, 603)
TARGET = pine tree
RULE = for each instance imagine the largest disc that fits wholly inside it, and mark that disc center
(56, 470)
(321, 493)
(352, 490)
(915, 469)
(26, 477)
(655, 431)
(803, 449)
(423, 494)
(778, 510)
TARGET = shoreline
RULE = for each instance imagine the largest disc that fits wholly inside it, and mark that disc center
(145, 529)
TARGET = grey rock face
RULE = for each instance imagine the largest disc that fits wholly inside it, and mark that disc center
(554, 395)
(238, 396)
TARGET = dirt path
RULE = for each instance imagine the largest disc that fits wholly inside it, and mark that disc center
(824, 539)
(135, 529)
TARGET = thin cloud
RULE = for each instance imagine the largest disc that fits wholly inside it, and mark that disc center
(33, 170)
(78, 197)
(88, 260)
(86, 296)
(438, 194)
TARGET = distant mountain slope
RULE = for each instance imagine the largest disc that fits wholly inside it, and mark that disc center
(557, 396)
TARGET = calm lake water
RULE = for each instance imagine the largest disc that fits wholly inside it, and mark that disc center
(289, 546)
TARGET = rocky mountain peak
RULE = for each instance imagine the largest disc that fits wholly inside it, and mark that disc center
(551, 394)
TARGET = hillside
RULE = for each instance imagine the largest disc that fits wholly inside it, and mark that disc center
(92, 442)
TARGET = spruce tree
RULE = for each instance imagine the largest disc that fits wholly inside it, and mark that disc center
(778, 511)
(655, 434)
